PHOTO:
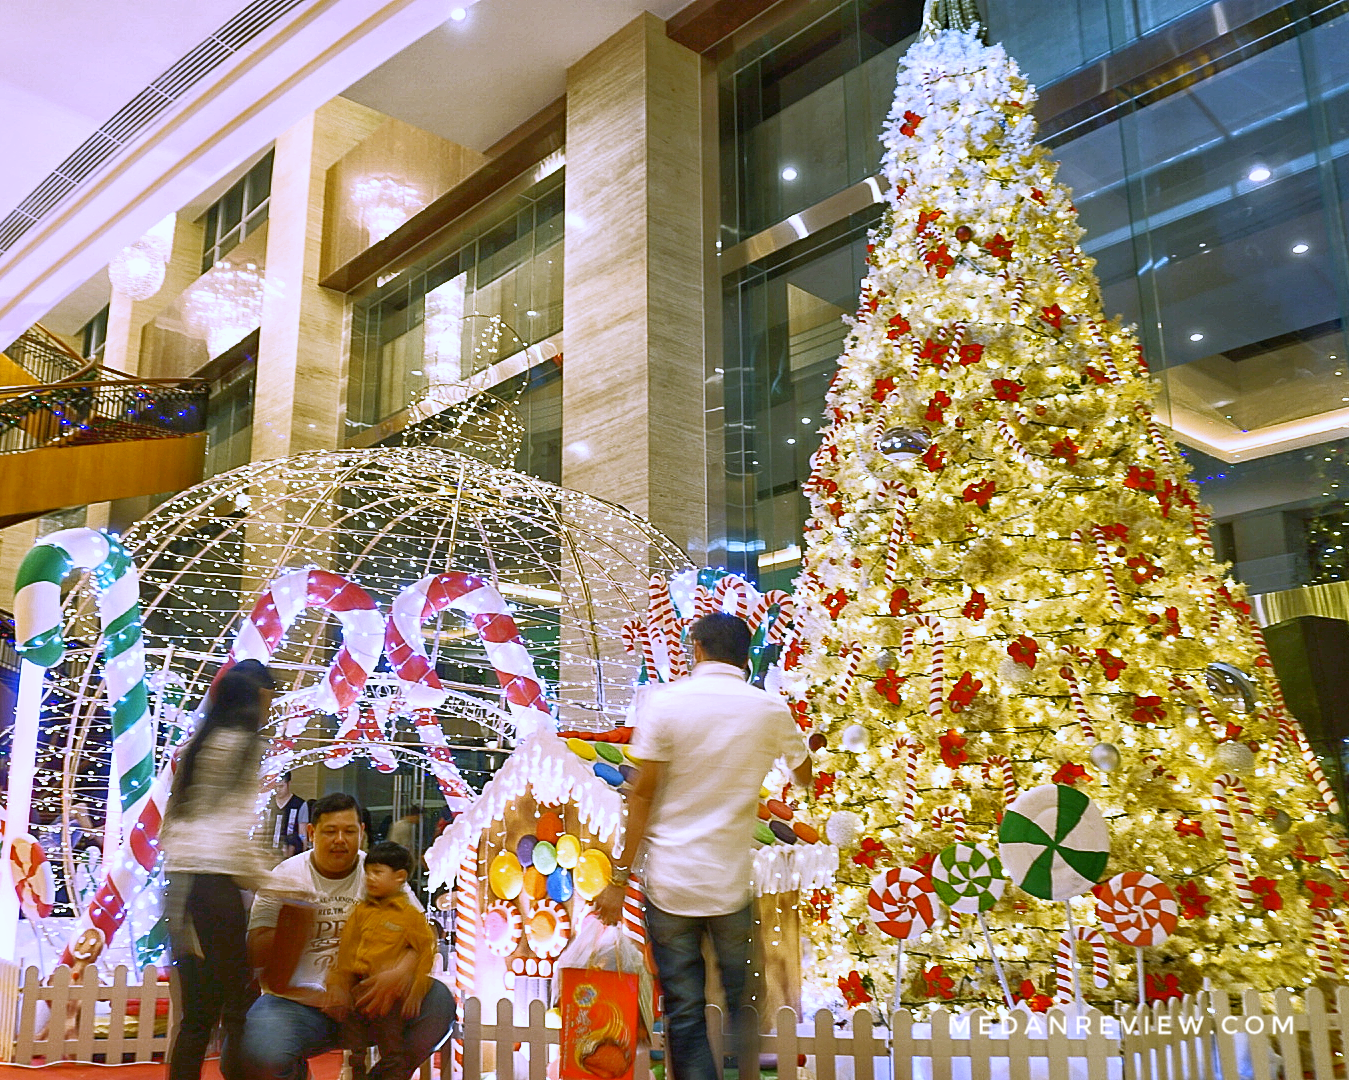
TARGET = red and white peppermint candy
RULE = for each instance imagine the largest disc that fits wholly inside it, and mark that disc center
(1137, 909)
(490, 616)
(277, 609)
(903, 904)
(32, 874)
(548, 929)
(501, 928)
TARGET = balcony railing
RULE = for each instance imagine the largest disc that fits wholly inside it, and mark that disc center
(80, 413)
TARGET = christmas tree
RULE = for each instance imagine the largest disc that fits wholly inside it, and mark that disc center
(1008, 582)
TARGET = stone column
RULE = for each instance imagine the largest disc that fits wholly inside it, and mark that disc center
(632, 392)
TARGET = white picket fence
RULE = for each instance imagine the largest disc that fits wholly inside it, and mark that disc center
(115, 1023)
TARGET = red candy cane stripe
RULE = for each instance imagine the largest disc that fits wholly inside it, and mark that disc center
(741, 591)
(898, 530)
(1193, 697)
(1222, 787)
(912, 749)
(1107, 358)
(853, 654)
(1325, 959)
(1063, 960)
(942, 814)
(466, 942)
(782, 624)
(1155, 437)
(906, 643)
(662, 620)
(490, 616)
(998, 762)
(1059, 272)
(1015, 445)
(1018, 295)
(1103, 557)
(1079, 706)
(937, 678)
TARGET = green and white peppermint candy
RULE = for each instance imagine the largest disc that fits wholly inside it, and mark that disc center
(968, 877)
(38, 625)
(1054, 842)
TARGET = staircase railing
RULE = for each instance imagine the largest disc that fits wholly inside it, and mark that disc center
(49, 359)
(80, 413)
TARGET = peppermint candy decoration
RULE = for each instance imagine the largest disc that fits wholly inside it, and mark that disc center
(502, 927)
(32, 876)
(968, 878)
(1137, 909)
(903, 903)
(1054, 842)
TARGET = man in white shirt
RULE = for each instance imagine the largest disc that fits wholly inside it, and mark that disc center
(707, 742)
(287, 1025)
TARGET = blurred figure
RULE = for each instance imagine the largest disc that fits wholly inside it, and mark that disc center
(210, 858)
(287, 814)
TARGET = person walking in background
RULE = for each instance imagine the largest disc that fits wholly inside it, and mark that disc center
(403, 832)
(210, 858)
(287, 814)
(707, 742)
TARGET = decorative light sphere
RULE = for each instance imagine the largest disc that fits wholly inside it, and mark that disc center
(843, 828)
(1236, 758)
(902, 444)
(855, 738)
(884, 660)
(1105, 756)
(137, 271)
(1012, 673)
(1231, 686)
(1280, 822)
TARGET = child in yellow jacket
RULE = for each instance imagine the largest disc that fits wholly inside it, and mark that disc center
(378, 932)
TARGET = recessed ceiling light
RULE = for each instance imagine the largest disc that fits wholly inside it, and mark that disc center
(458, 14)
(789, 174)
(805, 419)
(1300, 249)
(791, 442)
(532, 314)
(1259, 174)
(1196, 337)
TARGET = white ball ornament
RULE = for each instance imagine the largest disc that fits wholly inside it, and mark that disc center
(884, 660)
(843, 828)
(855, 738)
(1012, 673)
(1235, 757)
(1105, 757)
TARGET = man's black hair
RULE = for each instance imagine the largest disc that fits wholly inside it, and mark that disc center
(286, 776)
(255, 670)
(386, 853)
(723, 637)
(335, 802)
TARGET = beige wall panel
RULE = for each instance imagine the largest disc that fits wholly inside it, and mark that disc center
(426, 163)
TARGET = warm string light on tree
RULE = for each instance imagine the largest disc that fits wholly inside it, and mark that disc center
(1000, 525)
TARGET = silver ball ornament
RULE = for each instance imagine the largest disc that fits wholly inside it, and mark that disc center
(1235, 757)
(884, 660)
(1105, 756)
(1231, 686)
(843, 828)
(855, 738)
(1280, 822)
(902, 444)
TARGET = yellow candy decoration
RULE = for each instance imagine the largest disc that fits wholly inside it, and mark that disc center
(582, 749)
(568, 851)
(592, 872)
(506, 876)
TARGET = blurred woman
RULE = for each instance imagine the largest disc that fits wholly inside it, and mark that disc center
(210, 857)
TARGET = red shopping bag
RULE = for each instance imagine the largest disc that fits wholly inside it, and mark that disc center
(599, 1024)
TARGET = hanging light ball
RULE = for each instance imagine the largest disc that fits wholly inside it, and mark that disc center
(1105, 756)
(855, 738)
(1235, 757)
(137, 271)
(817, 741)
(884, 660)
(902, 444)
(843, 828)
(1231, 686)
(1279, 821)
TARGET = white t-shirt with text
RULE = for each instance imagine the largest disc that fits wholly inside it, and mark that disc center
(717, 736)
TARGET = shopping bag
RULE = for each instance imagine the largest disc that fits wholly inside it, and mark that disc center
(595, 945)
(599, 1024)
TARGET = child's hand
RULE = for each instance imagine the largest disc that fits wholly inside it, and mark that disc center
(412, 1004)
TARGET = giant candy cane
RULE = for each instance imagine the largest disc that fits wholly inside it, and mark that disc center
(466, 907)
(37, 606)
(492, 619)
(1064, 957)
(257, 638)
(1221, 787)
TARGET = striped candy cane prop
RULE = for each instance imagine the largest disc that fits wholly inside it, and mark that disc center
(741, 596)
(998, 762)
(257, 637)
(492, 619)
(899, 529)
(452, 784)
(912, 749)
(1191, 696)
(1157, 440)
(1103, 558)
(1065, 958)
(942, 814)
(1325, 958)
(853, 655)
(936, 687)
(39, 641)
(280, 605)
(663, 620)
(1079, 706)
(1225, 784)
(466, 942)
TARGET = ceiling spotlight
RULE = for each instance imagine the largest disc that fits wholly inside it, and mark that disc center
(789, 174)
(1196, 337)
(1300, 249)
(458, 14)
(1259, 174)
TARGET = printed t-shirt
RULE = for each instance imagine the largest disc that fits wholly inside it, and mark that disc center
(718, 737)
(333, 899)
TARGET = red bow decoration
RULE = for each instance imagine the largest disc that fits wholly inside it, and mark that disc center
(871, 850)
(1268, 891)
(1144, 569)
(1024, 650)
(901, 603)
(824, 782)
(1111, 664)
(1193, 903)
(953, 749)
(1036, 1001)
(898, 322)
(1053, 315)
(1148, 710)
(975, 606)
(980, 493)
(940, 260)
(835, 602)
(934, 458)
(934, 351)
(1321, 894)
(935, 407)
(820, 902)
(1069, 773)
(854, 990)
(1189, 827)
(888, 686)
(883, 388)
(1066, 449)
(1008, 389)
(936, 983)
(999, 247)
(801, 714)
(907, 129)
(1161, 987)
(965, 690)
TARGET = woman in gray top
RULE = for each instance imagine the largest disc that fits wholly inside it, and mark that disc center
(210, 857)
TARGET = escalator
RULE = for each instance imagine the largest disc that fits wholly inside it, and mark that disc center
(74, 433)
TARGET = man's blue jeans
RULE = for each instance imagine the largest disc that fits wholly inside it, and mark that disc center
(676, 943)
(281, 1035)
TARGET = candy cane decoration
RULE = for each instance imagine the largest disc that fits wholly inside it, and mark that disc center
(1018, 296)
(663, 620)
(937, 676)
(853, 655)
(1225, 784)
(898, 530)
(1155, 436)
(741, 591)
(997, 761)
(1064, 956)
(1192, 696)
(490, 616)
(257, 636)
(912, 749)
(1103, 557)
(786, 616)
(634, 918)
(466, 941)
(1017, 447)
(1325, 959)
(1107, 358)
(1056, 261)
(1079, 706)
(942, 814)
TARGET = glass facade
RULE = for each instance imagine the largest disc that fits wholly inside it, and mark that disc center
(238, 212)
(485, 297)
(1214, 206)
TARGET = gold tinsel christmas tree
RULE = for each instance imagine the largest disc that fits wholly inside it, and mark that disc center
(1009, 583)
